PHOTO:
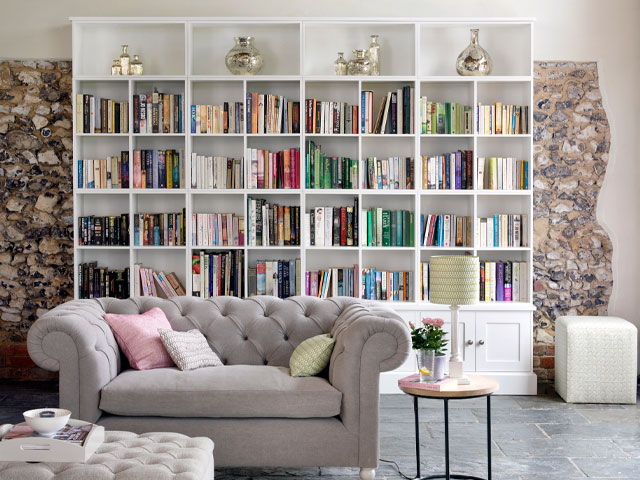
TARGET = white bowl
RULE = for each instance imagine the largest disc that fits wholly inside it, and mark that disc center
(47, 425)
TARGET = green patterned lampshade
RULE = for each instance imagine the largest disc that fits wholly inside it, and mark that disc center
(454, 279)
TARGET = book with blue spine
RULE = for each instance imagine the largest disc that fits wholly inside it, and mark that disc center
(363, 107)
(80, 173)
(193, 119)
(496, 231)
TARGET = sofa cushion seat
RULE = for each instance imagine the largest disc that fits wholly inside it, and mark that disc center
(233, 391)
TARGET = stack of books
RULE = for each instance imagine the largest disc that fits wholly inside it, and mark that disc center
(158, 113)
(105, 231)
(216, 172)
(446, 230)
(337, 226)
(501, 119)
(217, 229)
(393, 173)
(146, 279)
(333, 282)
(158, 169)
(272, 114)
(323, 171)
(101, 115)
(159, 229)
(503, 174)
(216, 274)
(280, 278)
(445, 118)
(225, 118)
(274, 169)
(97, 282)
(394, 286)
(503, 281)
(503, 230)
(388, 228)
(450, 171)
(112, 172)
(330, 117)
(271, 224)
(395, 113)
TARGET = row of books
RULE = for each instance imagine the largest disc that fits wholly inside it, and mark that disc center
(225, 118)
(272, 114)
(274, 169)
(445, 118)
(107, 231)
(395, 113)
(110, 172)
(330, 117)
(101, 115)
(280, 278)
(158, 113)
(217, 273)
(159, 229)
(393, 173)
(501, 119)
(146, 279)
(270, 224)
(446, 230)
(158, 169)
(323, 171)
(327, 226)
(96, 282)
(397, 286)
(333, 282)
(216, 172)
(217, 229)
(449, 171)
(387, 228)
(503, 174)
(503, 230)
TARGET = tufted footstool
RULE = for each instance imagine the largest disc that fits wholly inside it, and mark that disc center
(596, 360)
(126, 455)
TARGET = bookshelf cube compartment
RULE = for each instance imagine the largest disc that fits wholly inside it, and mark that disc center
(279, 44)
(323, 41)
(383, 148)
(209, 203)
(318, 260)
(104, 257)
(440, 45)
(524, 270)
(380, 91)
(161, 46)
(165, 260)
(389, 261)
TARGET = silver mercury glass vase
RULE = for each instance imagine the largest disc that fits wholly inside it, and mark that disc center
(374, 55)
(244, 58)
(474, 60)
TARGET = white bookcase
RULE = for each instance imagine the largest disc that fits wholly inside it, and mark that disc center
(186, 55)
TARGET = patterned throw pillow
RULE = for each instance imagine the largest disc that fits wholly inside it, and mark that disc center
(189, 350)
(312, 356)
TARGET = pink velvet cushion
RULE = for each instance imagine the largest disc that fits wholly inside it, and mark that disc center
(139, 339)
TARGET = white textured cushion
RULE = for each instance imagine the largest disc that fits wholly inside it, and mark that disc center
(189, 350)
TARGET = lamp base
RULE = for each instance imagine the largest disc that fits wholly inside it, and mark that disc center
(455, 369)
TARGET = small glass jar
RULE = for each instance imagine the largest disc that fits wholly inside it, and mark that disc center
(116, 69)
(360, 64)
(340, 66)
(426, 363)
(125, 61)
(374, 55)
(136, 66)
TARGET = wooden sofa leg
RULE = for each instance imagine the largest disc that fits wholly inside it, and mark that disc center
(367, 473)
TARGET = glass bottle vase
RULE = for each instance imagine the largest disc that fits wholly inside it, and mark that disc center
(426, 364)
(136, 66)
(474, 60)
(125, 60)
(374, 55)
(115, 68)
(340, 66)
(360, 64)
(244, 58)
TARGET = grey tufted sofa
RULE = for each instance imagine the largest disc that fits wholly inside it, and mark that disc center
(254, 411)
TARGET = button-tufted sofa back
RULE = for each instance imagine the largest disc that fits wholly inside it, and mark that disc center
(258, 330)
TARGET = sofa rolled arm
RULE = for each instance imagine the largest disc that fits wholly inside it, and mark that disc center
(369, 340)
(74, 339)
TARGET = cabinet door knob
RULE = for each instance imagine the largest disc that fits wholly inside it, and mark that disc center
(481, 342)
(469, 342)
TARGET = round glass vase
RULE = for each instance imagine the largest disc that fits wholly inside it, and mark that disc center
(360, 64)
(135, 68)
(244, 58)
(426, 364)
(474, 60)
(340, 66)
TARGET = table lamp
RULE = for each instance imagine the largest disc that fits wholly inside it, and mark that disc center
(454, 280)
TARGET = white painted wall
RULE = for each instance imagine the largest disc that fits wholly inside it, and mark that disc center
(583, 30)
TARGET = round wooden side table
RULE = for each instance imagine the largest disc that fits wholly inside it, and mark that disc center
(479, 387)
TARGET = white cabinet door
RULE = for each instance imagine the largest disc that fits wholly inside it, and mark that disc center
(503, 341)
(466, 334)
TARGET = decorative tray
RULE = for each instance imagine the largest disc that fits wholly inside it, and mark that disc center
(43, 449)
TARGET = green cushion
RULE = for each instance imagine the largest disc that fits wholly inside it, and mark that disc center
(312, 356)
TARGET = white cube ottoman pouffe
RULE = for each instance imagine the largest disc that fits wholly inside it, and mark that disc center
(128, 456)
(596, 360)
